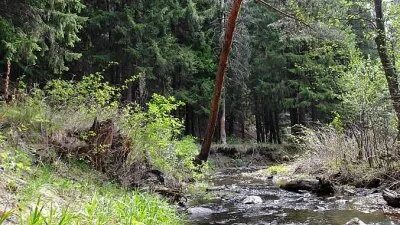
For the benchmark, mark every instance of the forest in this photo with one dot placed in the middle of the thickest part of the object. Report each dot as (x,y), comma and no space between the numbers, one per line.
(145,112)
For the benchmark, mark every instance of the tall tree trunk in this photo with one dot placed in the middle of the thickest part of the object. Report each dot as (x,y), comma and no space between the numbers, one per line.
(223,119)
(223,101)
(219,81)
(258,123)
(6,84)
(388,65)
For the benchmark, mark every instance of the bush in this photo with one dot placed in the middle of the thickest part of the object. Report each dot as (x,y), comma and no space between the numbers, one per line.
(155,136)
(66,108)
(91,93)
(339,154)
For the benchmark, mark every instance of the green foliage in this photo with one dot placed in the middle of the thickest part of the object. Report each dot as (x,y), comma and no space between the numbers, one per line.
(43,34)
(91,93)
(107,208)
(4,216)
(79,197)
(364,98)
(337,123)
(16,160)
(277,170)
(155,136)
(29,114)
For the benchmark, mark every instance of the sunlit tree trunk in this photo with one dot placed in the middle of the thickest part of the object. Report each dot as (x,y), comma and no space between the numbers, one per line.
(388,65)
(219,81)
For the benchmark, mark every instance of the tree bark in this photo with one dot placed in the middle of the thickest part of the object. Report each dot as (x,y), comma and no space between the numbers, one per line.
(219,81)
(388,65)
(223,101)
(6,84)
(223,119)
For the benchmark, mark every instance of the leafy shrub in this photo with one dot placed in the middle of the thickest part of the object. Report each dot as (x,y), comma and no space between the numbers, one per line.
(91,93)
(155,136)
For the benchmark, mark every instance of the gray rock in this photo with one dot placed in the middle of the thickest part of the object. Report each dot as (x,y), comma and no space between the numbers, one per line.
(355,221)
(341,201)
(331,198)
(349,191)
(216,188)
(252,200)
(200,211)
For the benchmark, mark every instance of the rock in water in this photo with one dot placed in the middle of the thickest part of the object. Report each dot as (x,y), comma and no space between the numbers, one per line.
(355,221)
(321,187)
(252,200)
(200,211)
(392,198)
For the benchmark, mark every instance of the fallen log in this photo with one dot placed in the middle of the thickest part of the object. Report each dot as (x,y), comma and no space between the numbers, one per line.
(320,186)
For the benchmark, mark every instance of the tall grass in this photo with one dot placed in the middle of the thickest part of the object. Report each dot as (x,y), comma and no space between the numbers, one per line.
(72,193)
(128,209)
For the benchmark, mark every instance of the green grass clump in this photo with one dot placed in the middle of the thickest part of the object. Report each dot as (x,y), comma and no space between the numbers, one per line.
(128,209)
(277,170)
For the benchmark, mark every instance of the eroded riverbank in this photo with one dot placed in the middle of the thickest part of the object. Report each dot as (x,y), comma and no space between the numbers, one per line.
(223,204)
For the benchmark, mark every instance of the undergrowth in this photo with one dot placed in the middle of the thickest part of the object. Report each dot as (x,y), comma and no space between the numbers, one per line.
(341,155)
(46,129)
(73,193)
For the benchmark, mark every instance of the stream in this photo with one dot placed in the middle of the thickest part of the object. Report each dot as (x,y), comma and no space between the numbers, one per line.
(223,204)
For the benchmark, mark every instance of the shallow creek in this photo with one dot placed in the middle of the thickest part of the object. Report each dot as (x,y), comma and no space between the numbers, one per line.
(231,186)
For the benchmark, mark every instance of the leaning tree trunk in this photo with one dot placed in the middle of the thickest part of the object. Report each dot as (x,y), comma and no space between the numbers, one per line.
(6,81)
(388,65)
(219,81)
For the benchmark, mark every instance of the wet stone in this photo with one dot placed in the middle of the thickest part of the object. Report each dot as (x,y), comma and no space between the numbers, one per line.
(200,211)
(252,200)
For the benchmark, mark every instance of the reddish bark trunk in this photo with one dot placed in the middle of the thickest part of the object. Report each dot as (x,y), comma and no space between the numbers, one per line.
(219,81)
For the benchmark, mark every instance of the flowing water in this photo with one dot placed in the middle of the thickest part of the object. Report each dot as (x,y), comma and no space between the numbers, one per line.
(282,207)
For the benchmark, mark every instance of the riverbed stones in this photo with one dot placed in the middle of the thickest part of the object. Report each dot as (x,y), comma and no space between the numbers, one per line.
(200,211)
(252,200)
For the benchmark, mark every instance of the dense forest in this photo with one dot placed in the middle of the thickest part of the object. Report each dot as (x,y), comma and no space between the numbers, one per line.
(107,102)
